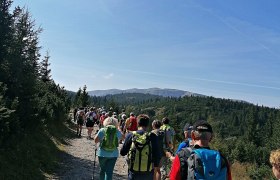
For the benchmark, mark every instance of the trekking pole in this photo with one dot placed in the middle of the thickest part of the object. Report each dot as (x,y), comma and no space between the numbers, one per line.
(94,161)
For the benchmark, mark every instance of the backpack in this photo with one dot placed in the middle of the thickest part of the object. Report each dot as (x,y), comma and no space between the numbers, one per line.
(170,130)
(140,153)
(110,140)
(90,117)
(202,164)
(161,139)
(80,116)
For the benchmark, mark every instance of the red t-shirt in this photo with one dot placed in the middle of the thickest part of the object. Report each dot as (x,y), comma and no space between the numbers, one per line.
(175,173)
(102,118)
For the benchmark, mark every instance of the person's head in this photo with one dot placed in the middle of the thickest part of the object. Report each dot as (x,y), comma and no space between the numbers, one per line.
(202,132)
(91,109)
(110,113)
(131,114)
(81,112)
(165,120)
(143,120)
(123,116)
(274,160)
(156,124)
(187,130)
(110,121)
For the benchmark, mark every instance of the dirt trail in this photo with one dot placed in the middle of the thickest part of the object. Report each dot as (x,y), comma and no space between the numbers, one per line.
(77,161)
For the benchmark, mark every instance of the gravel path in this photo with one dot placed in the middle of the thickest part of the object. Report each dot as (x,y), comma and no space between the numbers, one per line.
(77,161)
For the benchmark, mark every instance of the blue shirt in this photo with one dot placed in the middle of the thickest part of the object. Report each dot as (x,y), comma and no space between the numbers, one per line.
(103,153)
(183,145)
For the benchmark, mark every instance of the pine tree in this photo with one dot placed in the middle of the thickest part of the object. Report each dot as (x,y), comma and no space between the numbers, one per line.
(6,39)
(77,99)
(45,71)
(24,67)
(85,97)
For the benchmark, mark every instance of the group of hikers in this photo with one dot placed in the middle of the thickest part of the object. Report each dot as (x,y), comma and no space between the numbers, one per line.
(151,154)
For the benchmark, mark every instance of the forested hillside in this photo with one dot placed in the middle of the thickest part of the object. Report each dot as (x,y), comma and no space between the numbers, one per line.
(244,132)
(33,108)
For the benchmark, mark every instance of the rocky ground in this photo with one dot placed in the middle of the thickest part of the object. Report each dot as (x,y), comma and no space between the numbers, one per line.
(78,161)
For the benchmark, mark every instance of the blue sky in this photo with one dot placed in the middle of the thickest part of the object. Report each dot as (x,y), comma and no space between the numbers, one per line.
(220,48)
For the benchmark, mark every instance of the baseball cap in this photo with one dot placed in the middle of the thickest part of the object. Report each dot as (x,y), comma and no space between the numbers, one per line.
(202,126)
(187,127)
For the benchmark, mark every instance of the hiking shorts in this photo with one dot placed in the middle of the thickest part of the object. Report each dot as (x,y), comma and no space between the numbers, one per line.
(89,124)
(80,122)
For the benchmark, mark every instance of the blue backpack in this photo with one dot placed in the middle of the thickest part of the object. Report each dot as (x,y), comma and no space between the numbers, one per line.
(202,164)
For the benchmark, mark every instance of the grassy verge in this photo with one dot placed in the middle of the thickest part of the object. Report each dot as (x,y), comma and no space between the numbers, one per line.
(35,154)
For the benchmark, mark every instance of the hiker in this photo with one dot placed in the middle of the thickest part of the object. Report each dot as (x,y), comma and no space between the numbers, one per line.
(156,124)
(122,122)
(108,152)
(115,116)
(122,113)
(274,160)
(101,119)
(80,121)
(131,123)
(141,149)
(186,143)
(199,161)
(75,114)
(91,118)
(168,146)
(188,139)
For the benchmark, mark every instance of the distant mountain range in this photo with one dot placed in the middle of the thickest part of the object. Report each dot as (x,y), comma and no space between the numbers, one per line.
(153,91)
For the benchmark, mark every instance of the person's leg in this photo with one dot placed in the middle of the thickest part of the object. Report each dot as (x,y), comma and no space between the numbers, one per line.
(110,164)
(90,131)
(163,168)
(102,164)
(80,129)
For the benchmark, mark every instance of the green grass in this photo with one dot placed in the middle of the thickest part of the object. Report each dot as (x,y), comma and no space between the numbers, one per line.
(34,154)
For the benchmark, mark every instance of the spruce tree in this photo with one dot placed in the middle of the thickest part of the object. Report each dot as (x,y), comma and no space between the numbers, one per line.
(45,71)
(24,67)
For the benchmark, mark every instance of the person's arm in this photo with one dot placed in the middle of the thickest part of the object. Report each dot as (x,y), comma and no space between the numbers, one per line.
(175,173)
(99,136)
(126,145)
(120,135)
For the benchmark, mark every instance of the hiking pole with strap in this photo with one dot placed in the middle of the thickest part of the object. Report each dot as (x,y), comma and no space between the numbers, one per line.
(94,161)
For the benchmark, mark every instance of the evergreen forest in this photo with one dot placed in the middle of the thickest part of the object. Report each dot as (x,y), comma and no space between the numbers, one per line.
(35,120)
